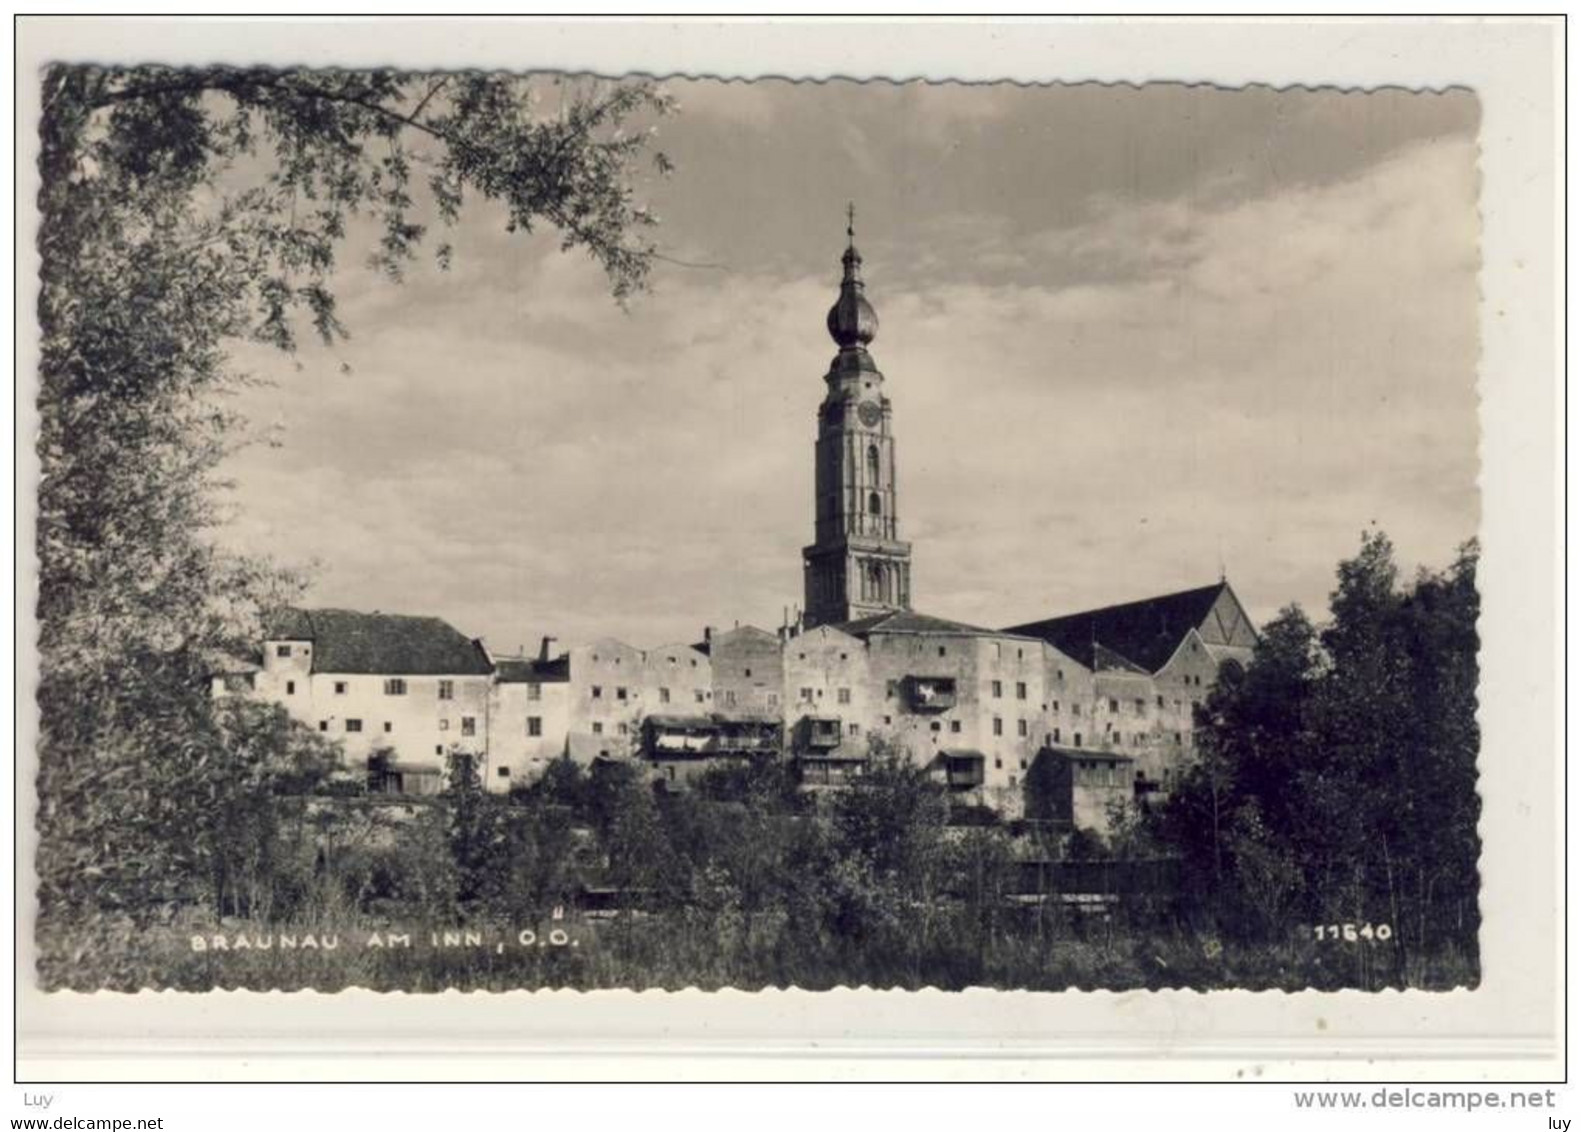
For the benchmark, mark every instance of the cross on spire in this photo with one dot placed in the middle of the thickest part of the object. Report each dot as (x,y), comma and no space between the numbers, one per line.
(850,224)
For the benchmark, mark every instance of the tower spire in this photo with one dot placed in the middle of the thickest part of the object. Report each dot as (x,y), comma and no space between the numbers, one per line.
(858,565)
(852,322)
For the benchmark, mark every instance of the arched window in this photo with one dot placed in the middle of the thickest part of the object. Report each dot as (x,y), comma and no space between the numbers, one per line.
(872,463)
(875,505)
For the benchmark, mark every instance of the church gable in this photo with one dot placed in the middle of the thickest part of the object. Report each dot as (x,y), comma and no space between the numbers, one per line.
(1142,633)
(1227,623)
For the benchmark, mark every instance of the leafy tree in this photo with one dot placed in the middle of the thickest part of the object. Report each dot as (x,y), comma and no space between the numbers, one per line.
(981,865)
(563,784)
(1085,845)
(887,846)
(1254,740)
(475,831)
(764,782)
(1397,720)
(253,828)
(183,211)
(1338,779)
(892,816)
(626,820)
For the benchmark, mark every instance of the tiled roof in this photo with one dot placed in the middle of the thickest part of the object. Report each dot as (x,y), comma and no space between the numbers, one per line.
(1107,660)
(1076,754)
(388,643)
(527,670)
(1145,633)
(288,624)
(712,720)
(679,722)
(706,645)
(906,621)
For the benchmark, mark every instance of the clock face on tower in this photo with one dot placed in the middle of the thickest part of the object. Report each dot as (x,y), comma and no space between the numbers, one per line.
(869,413)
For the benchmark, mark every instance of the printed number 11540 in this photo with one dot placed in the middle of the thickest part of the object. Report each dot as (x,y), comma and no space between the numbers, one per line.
(1353,933)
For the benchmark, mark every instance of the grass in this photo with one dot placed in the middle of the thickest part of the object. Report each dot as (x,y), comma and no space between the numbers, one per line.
(680,949)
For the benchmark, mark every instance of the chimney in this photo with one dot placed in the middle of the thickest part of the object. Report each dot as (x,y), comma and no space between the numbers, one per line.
(545,648)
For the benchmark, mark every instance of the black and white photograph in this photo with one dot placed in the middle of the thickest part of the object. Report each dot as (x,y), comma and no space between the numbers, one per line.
(532,528)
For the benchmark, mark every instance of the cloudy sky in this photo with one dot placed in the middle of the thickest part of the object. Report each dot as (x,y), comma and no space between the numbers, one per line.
(1129,334)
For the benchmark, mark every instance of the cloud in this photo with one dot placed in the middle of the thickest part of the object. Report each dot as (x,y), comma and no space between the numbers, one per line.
(1104,386)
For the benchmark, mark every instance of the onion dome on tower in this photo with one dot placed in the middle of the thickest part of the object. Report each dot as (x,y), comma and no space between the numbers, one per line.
(852,320)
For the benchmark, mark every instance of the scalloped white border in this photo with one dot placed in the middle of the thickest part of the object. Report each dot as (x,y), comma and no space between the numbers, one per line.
(1507,1029)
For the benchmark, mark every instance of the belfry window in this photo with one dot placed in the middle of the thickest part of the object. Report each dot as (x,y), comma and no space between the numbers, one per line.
(875,505)
(872,463)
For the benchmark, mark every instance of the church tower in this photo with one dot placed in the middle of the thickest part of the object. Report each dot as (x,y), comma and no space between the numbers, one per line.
(857,566)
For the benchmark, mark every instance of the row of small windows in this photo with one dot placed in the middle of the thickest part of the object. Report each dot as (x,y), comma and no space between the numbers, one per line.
(690,660)
(807,695)
(395,686)
(469,725)
(535,729)
(1141,705)
(597,692)
(772,699)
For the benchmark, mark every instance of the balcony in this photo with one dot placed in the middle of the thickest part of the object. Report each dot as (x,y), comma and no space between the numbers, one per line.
(746,736)
(819,732)
(963,770)
(702,737)
(930,693)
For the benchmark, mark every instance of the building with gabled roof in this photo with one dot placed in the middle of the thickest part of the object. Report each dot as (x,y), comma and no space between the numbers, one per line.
(1153,662)
(347,641)
(529,716)
(396,691)
(914,623)
(1145,634)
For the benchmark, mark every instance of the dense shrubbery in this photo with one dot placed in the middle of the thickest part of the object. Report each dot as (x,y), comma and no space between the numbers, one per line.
(1338,779)
(172,226)
(1336,785)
